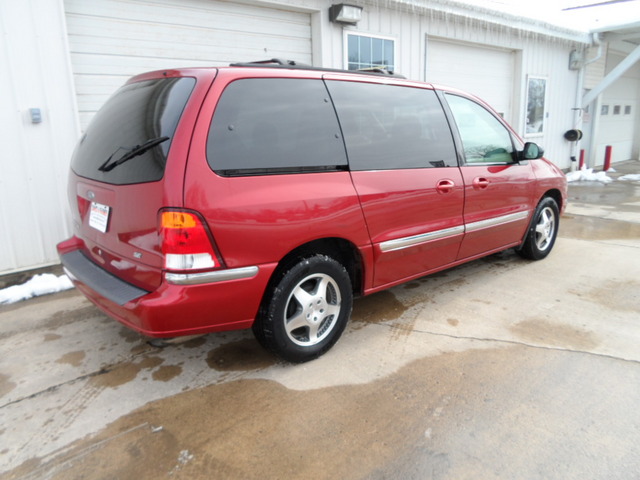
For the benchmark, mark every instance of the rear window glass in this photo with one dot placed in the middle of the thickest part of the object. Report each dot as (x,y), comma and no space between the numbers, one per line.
(275,125)
(137,114)
(388,127)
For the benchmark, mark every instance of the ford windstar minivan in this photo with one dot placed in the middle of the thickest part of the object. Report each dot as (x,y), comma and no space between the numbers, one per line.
(268,195)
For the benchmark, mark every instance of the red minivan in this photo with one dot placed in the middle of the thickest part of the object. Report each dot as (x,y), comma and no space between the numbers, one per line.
(267,195)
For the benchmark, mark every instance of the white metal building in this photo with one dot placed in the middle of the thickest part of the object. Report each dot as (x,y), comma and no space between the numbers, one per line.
(62,58)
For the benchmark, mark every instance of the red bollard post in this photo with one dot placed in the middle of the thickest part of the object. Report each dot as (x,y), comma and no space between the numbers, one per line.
(607,158)
(581,163)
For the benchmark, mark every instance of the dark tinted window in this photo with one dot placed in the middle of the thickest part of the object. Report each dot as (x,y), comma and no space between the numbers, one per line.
(387,127)
(274,125)
(135,114)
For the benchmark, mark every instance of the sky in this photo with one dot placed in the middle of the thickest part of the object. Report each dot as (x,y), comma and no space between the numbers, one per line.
(582,15)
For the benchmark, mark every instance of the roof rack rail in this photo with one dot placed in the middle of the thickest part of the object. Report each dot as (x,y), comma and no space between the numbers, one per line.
(281,63)
(381,70)
(273,61)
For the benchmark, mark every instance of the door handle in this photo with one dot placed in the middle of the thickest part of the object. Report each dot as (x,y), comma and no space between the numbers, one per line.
(445,186)
(480,183)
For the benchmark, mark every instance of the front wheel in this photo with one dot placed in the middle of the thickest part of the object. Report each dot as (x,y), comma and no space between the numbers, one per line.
(542,232)
(307,311)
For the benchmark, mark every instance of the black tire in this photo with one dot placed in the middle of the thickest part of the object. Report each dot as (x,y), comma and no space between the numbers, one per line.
(542,232)
(307,309)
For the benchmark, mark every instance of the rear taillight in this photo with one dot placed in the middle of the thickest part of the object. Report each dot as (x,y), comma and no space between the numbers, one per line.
(186,242)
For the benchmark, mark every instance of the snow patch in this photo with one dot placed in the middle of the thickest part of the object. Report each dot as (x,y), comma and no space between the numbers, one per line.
(43,284)
(632,177)
(587,175)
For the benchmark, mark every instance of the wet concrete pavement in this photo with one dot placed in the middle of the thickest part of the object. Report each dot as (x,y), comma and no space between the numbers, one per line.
(501,368)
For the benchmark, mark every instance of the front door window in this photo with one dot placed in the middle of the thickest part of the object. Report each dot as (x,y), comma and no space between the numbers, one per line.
(484,138)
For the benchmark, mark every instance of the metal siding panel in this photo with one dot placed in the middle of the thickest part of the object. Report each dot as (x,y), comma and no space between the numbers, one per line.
(485,72)
(33,203)
(111,40)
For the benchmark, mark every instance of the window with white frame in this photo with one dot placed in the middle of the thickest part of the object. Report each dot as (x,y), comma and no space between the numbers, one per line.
(366,52)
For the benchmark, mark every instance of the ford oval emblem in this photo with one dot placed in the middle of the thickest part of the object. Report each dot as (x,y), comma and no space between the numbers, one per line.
(91,195)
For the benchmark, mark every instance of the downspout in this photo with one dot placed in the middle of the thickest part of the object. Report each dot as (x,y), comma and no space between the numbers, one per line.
(578,109)
(577,114)
(595,114)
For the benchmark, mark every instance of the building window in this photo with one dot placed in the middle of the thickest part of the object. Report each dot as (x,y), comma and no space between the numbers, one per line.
(367,52)
(604,110)
(616,110)
(536,105)
(627,110)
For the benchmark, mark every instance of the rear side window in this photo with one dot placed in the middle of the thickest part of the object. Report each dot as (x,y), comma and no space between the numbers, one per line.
(388,127)
(139,114)
(275,125)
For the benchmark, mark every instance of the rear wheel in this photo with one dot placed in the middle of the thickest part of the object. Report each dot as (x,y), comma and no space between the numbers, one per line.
(307,311)
(543,230)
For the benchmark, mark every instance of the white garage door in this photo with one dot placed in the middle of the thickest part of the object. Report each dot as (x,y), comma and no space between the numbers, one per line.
(111,40)
(485,72)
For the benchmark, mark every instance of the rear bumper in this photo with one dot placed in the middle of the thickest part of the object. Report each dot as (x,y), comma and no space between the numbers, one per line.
(228,300)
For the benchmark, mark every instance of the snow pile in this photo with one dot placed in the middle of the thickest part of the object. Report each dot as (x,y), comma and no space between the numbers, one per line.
(39,285)
(632,177)
(587,175)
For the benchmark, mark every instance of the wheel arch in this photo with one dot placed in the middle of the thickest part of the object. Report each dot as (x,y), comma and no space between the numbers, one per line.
(556,195)
(341,250)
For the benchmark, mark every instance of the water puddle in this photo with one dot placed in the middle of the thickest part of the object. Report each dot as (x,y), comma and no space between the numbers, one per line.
(124,373)
(541,331)
(166,373)
(377,308)
(242,355)
(593,228)
(72,358)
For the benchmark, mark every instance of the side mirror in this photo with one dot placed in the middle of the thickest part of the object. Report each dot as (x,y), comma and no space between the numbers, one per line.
(531,151)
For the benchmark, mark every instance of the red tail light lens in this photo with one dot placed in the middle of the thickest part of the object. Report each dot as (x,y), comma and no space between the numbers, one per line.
(186,242)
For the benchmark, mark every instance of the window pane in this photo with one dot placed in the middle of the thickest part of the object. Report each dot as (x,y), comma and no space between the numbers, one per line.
(365,51)
(484,138)
(376,51)
(265,124)
(352,49)
(388,54)
(369,52)
(387,127)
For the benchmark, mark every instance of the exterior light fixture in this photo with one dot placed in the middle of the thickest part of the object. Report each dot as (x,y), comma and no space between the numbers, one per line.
(346,14)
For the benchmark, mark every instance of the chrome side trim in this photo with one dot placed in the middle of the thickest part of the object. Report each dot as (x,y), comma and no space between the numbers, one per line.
(211,277)
(492,222)
(407,242)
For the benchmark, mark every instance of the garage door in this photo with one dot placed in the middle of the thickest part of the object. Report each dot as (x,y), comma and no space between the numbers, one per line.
(111,40)
(485,72)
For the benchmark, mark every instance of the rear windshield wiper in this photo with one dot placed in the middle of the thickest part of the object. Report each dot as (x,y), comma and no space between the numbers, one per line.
(136,151)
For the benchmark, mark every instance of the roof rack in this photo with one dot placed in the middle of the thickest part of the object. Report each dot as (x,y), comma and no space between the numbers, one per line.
(281,63)
(381,70)
(273,62)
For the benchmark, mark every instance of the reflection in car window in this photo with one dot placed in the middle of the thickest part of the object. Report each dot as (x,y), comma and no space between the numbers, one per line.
(388,127)
(484,138)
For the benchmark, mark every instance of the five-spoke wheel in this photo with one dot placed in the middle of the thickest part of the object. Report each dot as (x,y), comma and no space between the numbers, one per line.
(307,311)
(543,230)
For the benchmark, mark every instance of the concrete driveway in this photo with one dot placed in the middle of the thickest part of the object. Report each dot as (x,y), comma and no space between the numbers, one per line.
(499,369)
